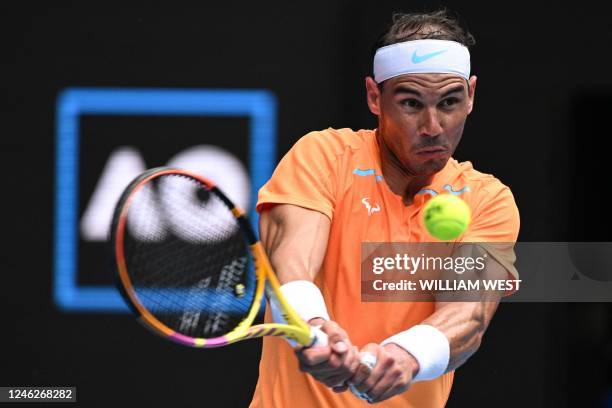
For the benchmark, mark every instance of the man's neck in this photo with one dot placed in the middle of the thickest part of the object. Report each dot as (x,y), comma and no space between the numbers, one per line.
(399,179)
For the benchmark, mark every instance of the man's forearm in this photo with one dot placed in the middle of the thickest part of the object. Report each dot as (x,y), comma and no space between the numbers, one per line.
(464,325)
(453,333)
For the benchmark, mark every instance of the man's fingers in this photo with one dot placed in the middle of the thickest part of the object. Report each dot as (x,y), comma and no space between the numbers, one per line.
(324,368)
(337,337)
(355,360)
(340,347)
(332,365)
(341,365)
(386,379)
(367,361)
(383,363)
(336,381)
(361,374)
(335,333)
(385,385)
(313,356)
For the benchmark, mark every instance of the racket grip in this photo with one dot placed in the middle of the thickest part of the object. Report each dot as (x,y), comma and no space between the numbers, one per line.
(319,337)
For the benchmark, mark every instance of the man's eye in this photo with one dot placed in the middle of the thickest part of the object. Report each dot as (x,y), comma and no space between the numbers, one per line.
(448,102)
(412,103)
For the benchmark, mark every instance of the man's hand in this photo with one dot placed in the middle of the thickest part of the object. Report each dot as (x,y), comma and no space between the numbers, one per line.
(333,364)
(394,370)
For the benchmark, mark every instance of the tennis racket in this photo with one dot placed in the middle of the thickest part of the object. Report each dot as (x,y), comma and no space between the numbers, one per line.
(191,267)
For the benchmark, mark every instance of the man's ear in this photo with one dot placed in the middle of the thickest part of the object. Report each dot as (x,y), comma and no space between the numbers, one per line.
(373,95)
(471,92)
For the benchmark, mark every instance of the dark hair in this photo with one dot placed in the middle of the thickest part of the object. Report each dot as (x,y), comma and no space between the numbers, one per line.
(436,25)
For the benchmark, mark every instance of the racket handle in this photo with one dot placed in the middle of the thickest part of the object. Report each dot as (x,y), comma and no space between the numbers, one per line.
(319,337)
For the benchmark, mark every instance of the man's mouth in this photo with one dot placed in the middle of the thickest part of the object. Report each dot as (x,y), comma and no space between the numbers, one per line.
(431,151)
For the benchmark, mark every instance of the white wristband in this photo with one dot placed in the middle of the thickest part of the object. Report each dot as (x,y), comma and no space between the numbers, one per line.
(428,345)
(306,298)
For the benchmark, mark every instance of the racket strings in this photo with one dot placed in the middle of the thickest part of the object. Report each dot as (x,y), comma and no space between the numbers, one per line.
(187,258)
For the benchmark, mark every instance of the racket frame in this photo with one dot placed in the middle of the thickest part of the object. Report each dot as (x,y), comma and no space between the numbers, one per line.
(266,281)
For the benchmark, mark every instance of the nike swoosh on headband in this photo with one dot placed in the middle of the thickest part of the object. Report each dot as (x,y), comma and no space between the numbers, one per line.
(418,59)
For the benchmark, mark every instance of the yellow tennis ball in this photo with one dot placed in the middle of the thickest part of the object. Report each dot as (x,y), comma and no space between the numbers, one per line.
(446,216)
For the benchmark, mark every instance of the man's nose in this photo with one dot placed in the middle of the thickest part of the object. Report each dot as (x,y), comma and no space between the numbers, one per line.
(430,125)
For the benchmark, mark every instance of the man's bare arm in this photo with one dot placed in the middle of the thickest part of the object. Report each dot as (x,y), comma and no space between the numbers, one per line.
(295,240)
(462,323)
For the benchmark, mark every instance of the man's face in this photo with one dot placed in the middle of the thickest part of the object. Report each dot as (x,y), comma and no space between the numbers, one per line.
(421,118)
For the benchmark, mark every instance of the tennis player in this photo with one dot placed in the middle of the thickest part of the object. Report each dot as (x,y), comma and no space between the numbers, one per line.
(337,188)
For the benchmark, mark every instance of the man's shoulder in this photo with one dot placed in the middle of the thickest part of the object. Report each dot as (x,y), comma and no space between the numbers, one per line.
(336,141)
(477,181)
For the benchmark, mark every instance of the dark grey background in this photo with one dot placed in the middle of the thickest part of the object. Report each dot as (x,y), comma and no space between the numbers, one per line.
(540,125)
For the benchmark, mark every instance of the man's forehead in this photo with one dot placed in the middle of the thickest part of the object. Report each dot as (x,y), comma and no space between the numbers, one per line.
(430,82)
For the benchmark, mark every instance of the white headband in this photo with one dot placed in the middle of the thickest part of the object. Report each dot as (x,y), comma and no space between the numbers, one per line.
(421,56)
